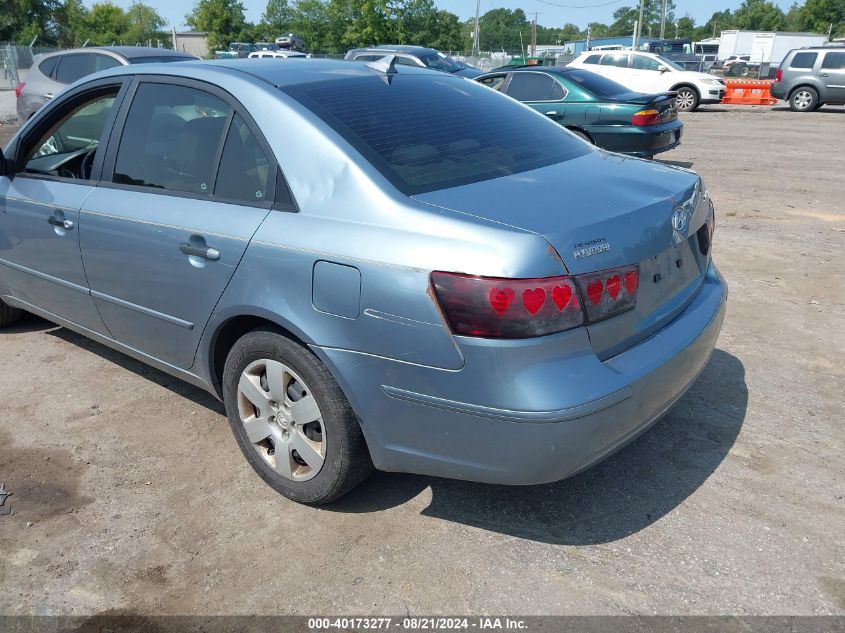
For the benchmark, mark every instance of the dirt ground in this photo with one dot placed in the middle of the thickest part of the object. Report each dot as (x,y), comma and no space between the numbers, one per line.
(130,494)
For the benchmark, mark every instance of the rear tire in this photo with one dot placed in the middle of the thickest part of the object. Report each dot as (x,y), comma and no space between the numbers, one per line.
(9,315)
(687,99)
(804,99)
(291,419)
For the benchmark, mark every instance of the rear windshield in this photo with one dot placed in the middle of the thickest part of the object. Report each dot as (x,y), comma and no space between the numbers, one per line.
(157,59)
(598,85)
(426,133)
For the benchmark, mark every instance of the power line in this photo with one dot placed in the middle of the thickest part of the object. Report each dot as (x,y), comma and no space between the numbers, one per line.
(587,6)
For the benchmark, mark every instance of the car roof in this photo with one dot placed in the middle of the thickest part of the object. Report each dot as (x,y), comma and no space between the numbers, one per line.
(128,52)
(267,70)
(403,48)
(558,70)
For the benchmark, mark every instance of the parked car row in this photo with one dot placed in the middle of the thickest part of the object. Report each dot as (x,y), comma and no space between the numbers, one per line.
(446,282)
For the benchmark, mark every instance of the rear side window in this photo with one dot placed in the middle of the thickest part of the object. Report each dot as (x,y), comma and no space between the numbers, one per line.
(804,60)
(534,87)
(598,85)
(592,59)
(73,67)
(171,138)
(48,66)
(427,133)
(103,62)
(833,61)
(620,61)
(245,173)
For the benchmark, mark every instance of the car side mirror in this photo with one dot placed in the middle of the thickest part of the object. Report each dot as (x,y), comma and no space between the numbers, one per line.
(663,69)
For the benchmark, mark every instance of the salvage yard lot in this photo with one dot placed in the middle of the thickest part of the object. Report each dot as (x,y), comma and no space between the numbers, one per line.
(131,496)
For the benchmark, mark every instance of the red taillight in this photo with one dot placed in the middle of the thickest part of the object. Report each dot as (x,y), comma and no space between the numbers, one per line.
(494,307)
(19,89)
(778,76)
(609,292)
(646,117)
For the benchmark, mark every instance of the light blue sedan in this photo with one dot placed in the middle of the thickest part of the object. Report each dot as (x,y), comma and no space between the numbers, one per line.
(370,266)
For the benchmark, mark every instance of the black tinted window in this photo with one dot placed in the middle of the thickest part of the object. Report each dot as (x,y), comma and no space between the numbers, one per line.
(245,172)
(170,139)
(73,67)
(425,133)
(833,61)
(48,65)
(804,60)
(592,59)
(598,85)
(532,87)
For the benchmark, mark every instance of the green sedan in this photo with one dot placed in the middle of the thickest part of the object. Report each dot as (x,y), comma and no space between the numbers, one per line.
(597,109)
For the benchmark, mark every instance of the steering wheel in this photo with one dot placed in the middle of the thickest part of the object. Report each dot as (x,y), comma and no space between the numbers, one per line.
(87,164)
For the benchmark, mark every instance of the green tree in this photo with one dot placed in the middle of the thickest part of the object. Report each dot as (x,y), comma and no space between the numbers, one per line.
(144,24)
(21,20)
(625,18)
(500,29)
(450,32)
(223,20)
(685,28)
(759,15)
(70,20)
(276,19)
(104,24)
(819,15)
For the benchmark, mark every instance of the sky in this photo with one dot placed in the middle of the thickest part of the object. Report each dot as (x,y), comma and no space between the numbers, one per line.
(174,11)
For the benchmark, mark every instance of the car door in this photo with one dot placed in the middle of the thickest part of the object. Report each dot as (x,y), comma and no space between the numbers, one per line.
(57,160)
(187,182)
(832,74)
(540,91)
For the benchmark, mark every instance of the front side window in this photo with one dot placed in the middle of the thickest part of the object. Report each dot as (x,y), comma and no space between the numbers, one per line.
(73,67)
(459,132)
(170,139)
(833,61)
(495,81)
(804,60)
(68,147)
(533,87)
(245,172)
(640,62)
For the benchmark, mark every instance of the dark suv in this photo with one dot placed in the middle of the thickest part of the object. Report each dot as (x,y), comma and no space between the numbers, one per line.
(809,78)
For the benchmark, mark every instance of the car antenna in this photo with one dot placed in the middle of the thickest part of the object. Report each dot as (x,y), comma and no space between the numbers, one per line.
(386,65)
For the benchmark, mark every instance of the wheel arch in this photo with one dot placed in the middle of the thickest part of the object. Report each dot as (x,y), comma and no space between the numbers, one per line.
(575,128)
(228,331)
(685,84)
(804,84)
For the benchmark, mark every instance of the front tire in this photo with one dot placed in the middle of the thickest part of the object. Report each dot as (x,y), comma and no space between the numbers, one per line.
(9,315)
(291,419)
(804,99)
(687,99)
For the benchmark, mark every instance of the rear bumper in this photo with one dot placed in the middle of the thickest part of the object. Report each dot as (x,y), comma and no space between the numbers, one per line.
(526,412)
(779,91)
(639,142)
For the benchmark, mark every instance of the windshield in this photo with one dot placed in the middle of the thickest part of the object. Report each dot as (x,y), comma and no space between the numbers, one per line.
(598,85)
(670,63)
(427,133)
(439,61)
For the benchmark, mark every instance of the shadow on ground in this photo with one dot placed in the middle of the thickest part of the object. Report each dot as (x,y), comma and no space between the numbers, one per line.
(676,163)
(617,498)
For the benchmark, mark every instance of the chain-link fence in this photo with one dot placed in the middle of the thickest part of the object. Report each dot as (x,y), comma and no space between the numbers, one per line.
(16,60)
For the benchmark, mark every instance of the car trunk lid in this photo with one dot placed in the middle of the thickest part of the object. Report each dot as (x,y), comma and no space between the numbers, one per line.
(601,211)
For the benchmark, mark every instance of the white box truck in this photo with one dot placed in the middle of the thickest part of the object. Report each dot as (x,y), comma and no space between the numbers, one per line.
(760,52)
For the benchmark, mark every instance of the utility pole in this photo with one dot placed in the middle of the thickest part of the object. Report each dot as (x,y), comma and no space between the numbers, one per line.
(639,27)
(663,21)
(476,47)
(534,35)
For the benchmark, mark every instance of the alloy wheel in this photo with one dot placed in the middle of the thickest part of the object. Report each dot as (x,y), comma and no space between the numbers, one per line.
(685,100)
(282,419)
(802,99)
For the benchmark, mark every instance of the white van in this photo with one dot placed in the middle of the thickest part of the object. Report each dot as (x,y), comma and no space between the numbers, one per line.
(651,73)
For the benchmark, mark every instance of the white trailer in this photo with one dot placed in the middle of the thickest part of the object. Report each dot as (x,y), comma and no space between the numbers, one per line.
(765,47)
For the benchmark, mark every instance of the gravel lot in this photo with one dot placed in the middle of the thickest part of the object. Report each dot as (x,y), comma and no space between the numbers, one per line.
(130,495)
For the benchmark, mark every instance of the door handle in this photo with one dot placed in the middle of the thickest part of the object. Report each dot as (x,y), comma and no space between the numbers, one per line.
(48,95)
(823,75)
(67,225)
(206,252)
